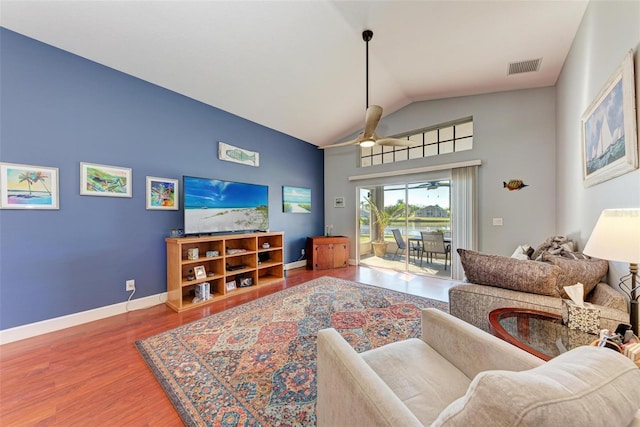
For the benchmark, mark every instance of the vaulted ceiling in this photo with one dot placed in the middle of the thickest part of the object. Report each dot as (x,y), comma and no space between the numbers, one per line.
(299,66)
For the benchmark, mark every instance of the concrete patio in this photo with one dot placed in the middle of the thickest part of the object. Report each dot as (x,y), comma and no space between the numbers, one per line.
(389,261)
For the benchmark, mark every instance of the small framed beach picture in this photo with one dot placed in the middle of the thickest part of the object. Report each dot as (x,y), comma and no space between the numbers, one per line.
(28,187)
(162,193)
(296,199)
(101,180)
(200,272)
(609,144)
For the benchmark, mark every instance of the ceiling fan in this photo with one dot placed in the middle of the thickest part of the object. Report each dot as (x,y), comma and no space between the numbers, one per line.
(432,185)
(368,137)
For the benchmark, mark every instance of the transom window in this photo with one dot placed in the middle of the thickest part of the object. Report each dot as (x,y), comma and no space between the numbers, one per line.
(440,139)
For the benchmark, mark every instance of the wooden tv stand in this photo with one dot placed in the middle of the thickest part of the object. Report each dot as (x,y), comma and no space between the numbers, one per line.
(262,265)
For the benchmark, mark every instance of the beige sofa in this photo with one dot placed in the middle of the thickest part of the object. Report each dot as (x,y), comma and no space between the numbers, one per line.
(458,375)
(497,282)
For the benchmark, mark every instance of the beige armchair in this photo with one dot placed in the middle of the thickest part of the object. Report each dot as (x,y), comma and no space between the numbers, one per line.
(459,375)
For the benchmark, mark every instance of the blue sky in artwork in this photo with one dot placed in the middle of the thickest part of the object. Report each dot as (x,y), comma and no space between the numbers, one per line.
(611,107)
(213,193)
(296,194)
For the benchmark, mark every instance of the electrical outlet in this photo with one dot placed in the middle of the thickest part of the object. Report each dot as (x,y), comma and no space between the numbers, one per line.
(130,285)
(302,252)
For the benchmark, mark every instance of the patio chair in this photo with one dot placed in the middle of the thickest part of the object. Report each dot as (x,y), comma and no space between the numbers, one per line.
(433,243)
(402,246)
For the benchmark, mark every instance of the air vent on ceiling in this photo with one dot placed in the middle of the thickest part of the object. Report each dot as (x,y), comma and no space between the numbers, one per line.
(524,66)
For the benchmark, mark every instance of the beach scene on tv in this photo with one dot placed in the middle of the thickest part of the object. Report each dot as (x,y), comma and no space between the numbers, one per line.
(212,206)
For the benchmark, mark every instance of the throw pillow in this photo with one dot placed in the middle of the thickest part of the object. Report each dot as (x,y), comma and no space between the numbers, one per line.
(587,386)
(586,271)
(522,252)
(509,273)
(574,255)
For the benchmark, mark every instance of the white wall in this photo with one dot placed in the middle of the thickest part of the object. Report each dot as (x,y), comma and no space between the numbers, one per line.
(607,32)
(514,137)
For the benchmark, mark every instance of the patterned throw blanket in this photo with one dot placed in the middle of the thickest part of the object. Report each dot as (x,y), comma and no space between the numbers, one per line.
(554,245)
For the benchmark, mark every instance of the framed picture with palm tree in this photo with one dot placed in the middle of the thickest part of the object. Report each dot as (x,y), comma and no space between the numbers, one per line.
(28,187)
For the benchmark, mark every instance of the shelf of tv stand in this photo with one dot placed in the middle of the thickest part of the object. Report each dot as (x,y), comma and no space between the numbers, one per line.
(186,282)
(263,265)
(240,271)
(199,260)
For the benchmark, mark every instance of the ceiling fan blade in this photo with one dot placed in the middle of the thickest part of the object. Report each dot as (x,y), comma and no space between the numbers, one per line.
(374,112)
(395,142)
(342,144)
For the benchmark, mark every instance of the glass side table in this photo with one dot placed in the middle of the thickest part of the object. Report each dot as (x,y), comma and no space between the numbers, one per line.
(537,332)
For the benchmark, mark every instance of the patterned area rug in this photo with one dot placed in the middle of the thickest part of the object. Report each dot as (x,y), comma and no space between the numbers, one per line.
(255,364)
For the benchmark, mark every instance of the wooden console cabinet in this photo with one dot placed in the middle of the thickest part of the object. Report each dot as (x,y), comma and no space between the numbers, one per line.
(325,252)
(261,256)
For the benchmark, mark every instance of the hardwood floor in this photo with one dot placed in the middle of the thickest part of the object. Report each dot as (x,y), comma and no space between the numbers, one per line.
(92,374)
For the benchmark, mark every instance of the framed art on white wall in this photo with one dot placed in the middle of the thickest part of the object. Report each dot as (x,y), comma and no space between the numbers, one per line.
(609,139)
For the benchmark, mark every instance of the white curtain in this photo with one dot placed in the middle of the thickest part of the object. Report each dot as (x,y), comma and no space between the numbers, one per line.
(464,215)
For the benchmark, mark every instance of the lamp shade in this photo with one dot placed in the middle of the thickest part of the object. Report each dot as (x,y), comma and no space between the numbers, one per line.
(616,236)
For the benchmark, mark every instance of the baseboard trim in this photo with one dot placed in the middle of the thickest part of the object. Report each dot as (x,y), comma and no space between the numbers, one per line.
(51,325)
(303,263)
(295,264)
(75,319)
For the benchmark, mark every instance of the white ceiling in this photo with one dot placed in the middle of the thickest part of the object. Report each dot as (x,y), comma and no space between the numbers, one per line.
(299,66)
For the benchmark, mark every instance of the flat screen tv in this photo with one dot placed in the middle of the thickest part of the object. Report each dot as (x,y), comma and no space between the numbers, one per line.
(217,206)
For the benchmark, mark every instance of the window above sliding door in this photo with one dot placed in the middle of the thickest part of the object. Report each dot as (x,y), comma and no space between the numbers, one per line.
(441,139)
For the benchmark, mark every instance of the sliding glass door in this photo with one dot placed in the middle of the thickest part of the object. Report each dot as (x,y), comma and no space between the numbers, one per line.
(406,210)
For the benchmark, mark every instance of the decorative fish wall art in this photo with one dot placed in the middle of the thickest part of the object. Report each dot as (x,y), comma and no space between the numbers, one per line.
(230,153)
(514,184)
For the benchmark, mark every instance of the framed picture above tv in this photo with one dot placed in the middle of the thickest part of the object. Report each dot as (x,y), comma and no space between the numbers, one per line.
(218,206)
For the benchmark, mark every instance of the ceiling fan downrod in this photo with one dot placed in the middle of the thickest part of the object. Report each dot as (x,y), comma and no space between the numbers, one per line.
(367,35)
(368,138)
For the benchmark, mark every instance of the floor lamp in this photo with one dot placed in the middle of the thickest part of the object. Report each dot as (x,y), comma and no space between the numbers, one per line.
(616,237)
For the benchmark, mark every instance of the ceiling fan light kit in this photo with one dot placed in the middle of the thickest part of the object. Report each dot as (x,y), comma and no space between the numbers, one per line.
(367,143)
(368,137)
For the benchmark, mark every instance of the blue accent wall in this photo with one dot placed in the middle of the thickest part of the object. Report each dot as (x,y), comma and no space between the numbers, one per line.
(57,110)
